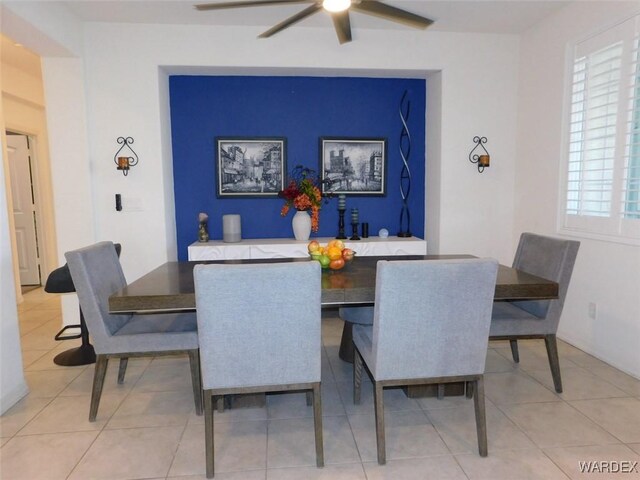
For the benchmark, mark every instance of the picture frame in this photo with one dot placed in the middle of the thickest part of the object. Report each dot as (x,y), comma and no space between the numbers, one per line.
(353,166)
(250,166)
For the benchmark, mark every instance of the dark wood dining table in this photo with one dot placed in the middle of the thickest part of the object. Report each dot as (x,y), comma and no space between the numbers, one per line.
(169,288)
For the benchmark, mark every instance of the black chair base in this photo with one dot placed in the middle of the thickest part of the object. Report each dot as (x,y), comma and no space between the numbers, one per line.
(82,355)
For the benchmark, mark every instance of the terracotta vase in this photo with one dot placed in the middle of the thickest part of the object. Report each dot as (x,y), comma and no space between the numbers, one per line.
(301,224)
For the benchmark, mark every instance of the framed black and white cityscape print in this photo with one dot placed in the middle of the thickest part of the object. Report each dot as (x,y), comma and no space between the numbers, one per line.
(250,167)
(354,166)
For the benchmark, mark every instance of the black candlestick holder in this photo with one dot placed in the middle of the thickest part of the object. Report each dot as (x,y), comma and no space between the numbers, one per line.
(355,236)
(341,235)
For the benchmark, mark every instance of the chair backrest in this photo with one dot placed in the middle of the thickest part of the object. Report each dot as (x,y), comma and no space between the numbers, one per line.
(258,324)
(550,258)
(432,317)
(96,274)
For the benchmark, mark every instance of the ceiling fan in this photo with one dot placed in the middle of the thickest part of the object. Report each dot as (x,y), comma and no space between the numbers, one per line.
(338,9)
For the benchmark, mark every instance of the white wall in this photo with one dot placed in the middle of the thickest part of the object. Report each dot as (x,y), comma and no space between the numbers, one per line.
(12,383)
(71,171)
(433,171)
(606,273)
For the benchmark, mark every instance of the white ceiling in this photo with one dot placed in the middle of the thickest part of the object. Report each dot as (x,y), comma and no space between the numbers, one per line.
(489,16)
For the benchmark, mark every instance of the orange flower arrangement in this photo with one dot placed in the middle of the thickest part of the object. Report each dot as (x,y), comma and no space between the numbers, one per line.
(303,194)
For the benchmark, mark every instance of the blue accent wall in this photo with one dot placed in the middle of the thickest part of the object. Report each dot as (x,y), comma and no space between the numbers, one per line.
(302,109)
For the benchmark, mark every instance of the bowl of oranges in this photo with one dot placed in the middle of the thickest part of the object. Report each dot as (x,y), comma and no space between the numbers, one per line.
(334,255)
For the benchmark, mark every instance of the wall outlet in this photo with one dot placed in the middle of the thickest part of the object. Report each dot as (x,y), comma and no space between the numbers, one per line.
(593,310)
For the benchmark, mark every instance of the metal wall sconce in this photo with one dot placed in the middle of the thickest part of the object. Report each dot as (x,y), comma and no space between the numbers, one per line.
(123,162)
(482,159)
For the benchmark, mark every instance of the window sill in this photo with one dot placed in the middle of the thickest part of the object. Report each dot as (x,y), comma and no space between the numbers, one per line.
(577,233)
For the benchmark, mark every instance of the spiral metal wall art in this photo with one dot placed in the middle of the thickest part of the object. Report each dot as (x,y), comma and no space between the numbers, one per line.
(122,160)
(405,173)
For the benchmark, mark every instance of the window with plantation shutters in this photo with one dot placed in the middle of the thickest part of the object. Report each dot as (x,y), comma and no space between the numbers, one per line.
(602,188)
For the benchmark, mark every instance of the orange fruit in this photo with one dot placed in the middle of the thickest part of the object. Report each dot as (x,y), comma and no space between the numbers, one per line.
(334,253)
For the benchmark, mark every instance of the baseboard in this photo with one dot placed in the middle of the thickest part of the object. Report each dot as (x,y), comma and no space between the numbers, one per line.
(10,398)
(587,349)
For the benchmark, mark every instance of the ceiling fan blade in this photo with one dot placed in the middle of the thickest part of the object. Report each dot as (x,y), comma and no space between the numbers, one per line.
(382,10)
(342,24)
(250,3)
(310,10)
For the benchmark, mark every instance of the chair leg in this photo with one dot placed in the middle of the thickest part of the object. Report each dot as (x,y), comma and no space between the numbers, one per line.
(481,419)
(220,403)
(554,360)
(196,380)
(309,395)
(208,431)
(122,369)
(379,408)
(98,382)
(514,350)
(357,375)
(317,423)
(440,391)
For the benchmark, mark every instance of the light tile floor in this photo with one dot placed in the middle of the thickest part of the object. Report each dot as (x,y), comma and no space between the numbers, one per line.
(147,428)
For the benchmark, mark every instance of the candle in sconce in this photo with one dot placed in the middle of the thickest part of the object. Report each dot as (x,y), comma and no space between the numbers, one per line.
(354,215)
(342,202)
(123,163)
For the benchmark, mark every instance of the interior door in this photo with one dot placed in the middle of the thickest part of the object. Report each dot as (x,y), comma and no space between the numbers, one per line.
(24,209)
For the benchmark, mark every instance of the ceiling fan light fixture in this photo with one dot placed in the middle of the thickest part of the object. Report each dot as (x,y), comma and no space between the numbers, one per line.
(336,6)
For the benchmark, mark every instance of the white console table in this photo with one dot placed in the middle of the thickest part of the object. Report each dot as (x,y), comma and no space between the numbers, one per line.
(290,248)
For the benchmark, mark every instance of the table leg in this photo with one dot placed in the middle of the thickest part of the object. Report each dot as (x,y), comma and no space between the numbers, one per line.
(346,343)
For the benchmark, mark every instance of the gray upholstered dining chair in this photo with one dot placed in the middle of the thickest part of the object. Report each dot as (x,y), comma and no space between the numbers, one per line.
(259,331)
(96,274)
(431,325)
(550,258)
